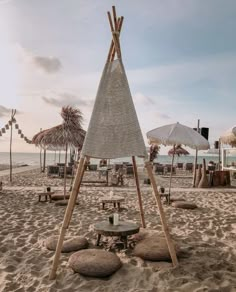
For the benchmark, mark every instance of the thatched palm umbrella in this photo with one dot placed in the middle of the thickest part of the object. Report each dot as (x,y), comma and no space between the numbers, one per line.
(178,150)
(229,137)
(67,135)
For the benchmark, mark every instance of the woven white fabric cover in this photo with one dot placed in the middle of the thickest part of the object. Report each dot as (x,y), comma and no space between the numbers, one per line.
(114,130)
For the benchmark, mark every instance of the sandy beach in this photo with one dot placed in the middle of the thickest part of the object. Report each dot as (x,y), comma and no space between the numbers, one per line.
(206,237)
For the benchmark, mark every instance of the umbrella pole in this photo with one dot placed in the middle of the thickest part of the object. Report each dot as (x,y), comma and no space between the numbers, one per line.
(138,192)
(162,215)
(67,218)
(40,158)
(195,162)
(65,173)
(44,160)
(171,171)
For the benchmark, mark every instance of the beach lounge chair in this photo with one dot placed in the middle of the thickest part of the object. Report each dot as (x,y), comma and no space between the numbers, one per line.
(52,170)
(188,166)
(179,165)
(159,169)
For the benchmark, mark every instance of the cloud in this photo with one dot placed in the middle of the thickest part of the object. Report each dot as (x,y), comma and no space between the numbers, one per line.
(47,64)
(164,116)
(5,1)
(64,99)
(143,99)
(4,111)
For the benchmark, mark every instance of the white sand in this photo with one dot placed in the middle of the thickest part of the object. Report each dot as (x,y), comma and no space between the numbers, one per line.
(206,236)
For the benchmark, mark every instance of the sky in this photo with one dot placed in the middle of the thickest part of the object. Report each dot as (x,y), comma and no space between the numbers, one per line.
(179,56)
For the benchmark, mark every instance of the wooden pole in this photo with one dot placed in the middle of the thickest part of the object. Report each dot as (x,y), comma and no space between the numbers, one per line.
(65,172)
(40,158)
(40,155)
(219,146)
(44,160)
(162,215)
(195,162)
(116,32)
(119,30)
(138,192)
(114,17)
(114,36)
(171,172)
(67,217)
(78,187)
(112,51)
(13,112)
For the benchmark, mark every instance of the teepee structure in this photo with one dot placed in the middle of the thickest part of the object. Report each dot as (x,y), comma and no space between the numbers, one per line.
(113,132)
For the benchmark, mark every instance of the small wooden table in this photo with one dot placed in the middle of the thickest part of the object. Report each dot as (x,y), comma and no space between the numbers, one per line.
(122,230)
(46,195)
(104,170)
(114,200)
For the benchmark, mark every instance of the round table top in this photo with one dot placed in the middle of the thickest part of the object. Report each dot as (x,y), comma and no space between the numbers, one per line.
(124,228)
(45,193)
(112,199)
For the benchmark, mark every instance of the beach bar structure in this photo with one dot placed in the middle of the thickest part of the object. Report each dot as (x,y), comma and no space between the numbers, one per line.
(228,138)
(113,132)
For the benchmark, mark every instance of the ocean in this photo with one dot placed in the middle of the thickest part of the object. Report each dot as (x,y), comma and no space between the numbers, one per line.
(53,158)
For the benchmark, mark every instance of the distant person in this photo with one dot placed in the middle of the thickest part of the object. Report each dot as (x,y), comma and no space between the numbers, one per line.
(103,162)
(87,164)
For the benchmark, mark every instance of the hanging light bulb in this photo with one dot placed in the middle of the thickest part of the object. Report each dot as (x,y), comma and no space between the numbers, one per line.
(19,131)
(16,126)
(7,126)
(3,130)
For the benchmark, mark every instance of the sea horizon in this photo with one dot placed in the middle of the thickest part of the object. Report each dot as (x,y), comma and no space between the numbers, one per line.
(33,158)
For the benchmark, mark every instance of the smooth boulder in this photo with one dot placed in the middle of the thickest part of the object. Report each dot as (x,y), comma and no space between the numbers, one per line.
(69,245)
(153,248)
(184,205)
(94,263)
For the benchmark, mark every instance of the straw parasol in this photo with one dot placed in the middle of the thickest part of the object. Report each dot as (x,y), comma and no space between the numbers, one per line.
(67,135)
(229,137)
(178,150)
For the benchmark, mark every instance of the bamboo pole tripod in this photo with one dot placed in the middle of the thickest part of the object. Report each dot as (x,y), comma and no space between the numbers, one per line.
(13,112)
(115,25)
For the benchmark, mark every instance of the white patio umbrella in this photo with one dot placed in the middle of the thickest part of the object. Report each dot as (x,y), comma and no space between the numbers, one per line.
(175,134)
(229,137)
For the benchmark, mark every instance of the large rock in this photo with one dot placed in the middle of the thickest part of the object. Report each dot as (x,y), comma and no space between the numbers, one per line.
(94,263)
(184,205)
(153,248)
(69,245)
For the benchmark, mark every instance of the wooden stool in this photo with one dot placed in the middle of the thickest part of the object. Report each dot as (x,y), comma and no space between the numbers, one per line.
(116,200)
(46,195)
